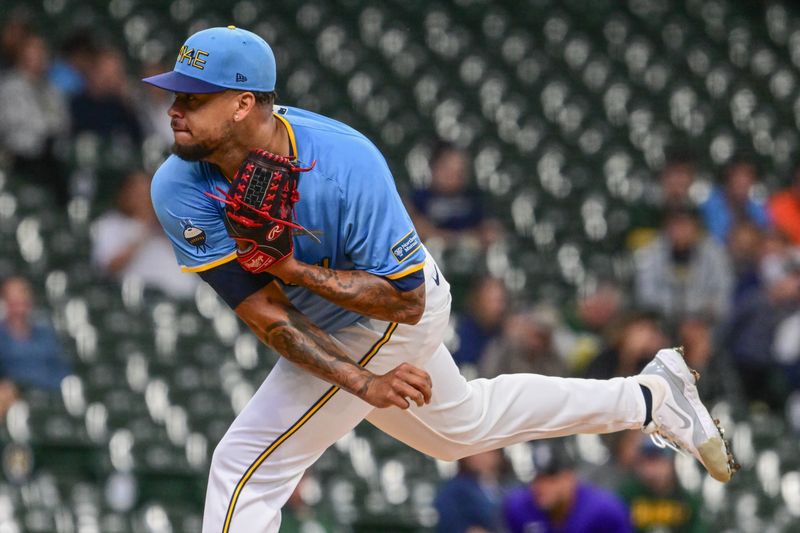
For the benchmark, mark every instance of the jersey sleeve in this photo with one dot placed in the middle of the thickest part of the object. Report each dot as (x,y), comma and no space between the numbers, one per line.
(379,236)
(192,221)
(233,283)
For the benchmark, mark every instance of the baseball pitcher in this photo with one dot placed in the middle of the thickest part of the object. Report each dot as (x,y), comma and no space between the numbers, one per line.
(295,221)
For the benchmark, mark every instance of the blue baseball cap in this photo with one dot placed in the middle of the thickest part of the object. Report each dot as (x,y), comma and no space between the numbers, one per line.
(217,59)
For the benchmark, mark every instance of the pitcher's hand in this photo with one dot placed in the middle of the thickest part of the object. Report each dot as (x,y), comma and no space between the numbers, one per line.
(400,386)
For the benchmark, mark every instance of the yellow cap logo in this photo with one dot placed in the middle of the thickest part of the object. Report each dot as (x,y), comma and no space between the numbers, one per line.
(194,58)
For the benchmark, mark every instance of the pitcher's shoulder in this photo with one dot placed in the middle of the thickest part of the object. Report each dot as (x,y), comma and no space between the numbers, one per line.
(174,171)
(180,183)
(177,177)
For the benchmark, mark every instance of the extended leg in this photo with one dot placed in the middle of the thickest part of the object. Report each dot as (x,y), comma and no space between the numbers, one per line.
(467,417)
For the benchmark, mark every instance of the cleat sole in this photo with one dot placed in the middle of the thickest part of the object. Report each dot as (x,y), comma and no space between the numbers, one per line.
(716,458)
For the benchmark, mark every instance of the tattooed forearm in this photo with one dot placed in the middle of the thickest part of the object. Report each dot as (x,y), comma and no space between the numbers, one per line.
(300,341)
(363,293)
(276,322)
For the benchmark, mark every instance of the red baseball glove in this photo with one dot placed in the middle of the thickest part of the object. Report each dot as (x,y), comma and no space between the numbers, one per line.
(259,209)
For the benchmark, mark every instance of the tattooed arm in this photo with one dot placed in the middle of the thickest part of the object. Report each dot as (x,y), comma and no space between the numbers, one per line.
(273,319)
(356,290)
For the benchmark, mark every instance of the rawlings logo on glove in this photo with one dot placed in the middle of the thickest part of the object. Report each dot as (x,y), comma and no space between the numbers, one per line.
(259,206)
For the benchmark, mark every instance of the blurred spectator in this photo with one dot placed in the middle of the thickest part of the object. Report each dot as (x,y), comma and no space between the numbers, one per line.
(557,500)
(482,321)
(470,502)
(774,256)
(33,116)
(104,107)
(683,271)
(657,503)
(732,202)
(594,311)
(299,516)
(128,241)
(15,31)
(632,344)
(624,448)
(762,333)
(74,62)
(784,209)
(152,105)
(526,345)
(449,208)
(674,183)
(744,249)
(719,379)
(30,353)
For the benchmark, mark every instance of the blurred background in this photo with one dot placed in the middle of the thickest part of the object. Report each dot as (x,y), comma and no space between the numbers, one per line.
(598,179)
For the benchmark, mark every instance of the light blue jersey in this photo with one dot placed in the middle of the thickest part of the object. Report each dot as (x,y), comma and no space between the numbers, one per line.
(348,200)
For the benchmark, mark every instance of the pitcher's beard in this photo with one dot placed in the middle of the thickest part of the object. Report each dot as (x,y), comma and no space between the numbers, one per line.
(192,152)
(203,150)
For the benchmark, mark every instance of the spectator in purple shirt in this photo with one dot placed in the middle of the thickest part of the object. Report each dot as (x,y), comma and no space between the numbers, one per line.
(557,501)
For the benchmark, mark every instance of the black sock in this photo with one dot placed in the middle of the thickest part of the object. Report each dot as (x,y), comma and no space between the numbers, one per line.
(648,405)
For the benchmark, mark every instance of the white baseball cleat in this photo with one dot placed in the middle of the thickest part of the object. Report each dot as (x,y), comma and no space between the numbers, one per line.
(679,419)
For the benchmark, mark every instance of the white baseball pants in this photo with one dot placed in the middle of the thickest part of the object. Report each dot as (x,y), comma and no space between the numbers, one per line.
(294,417)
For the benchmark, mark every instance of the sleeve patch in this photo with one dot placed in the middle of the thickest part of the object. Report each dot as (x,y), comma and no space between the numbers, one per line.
(405,247)
(191,234)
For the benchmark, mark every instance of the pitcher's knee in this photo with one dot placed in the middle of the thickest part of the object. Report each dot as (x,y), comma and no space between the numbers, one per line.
(223,458)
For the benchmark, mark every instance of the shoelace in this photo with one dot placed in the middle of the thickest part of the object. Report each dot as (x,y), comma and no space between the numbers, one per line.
(664,441)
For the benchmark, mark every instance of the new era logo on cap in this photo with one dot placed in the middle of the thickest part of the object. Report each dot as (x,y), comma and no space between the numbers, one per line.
(240,78)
